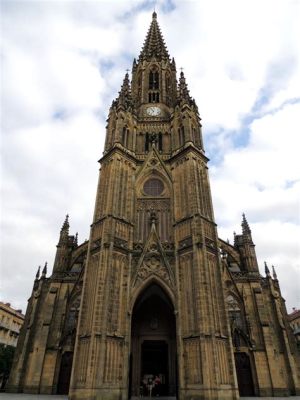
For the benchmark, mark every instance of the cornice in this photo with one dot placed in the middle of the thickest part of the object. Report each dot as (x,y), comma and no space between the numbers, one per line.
(184,150)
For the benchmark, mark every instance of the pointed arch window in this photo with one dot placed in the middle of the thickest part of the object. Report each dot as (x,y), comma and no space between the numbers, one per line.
(153,97)
(181,135)
(154,85)
(160,141)
(147,142)
(140,83)
(234,312)
(168,88)
(153,79)
(125,136)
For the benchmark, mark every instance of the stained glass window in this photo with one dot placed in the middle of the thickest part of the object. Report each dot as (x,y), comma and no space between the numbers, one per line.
(153,187)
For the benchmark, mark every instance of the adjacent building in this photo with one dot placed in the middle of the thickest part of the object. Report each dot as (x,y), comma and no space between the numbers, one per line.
(11,321)
(294,318)
(155,301)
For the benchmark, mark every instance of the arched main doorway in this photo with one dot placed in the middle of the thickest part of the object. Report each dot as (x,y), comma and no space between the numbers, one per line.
(244,375)
(153,345)
(65,373)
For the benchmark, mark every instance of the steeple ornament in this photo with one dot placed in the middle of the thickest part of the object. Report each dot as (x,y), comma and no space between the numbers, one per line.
(38,273)
(44,272)
(154,45)
(64,232)
(184,93)
(245,225)
(66,224)
(267,271)
(125,99)
(184,96)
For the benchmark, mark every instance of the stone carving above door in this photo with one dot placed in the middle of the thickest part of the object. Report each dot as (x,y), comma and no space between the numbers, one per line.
(153,262)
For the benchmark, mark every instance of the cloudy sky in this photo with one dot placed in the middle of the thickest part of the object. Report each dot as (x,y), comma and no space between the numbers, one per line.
(62,63)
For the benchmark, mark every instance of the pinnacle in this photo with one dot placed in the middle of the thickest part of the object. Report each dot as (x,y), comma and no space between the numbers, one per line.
(154,45)
(124,97)
(184,92)
(66,224)
(64,232)
(44,272)
(245,225)
(267,271)
(38,272)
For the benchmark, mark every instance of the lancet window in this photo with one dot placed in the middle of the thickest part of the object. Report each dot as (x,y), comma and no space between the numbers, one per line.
(156,138)
(153,79)
(125,136)
(234,312)
(153,85)
(181,136)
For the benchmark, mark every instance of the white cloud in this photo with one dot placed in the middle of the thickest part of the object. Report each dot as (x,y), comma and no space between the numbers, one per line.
(67,60)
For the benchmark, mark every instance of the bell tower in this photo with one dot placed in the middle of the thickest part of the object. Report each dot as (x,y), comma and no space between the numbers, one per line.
(152,307)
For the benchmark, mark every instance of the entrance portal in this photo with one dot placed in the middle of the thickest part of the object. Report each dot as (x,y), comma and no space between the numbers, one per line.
(244,375)
(153,345)
(65,373)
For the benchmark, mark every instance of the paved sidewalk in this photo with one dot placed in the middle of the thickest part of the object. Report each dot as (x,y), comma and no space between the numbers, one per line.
(18,396)
(21,396)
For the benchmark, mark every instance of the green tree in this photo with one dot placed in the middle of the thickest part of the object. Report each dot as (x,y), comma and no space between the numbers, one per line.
(6,359)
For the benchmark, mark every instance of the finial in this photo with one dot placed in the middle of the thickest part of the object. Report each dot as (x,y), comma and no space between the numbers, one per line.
(154,14)
(44,273)
(245,225)
(66,223)
(267,271)
(38,273)
(76,239)
(64,232)
(274,272)
(234,238)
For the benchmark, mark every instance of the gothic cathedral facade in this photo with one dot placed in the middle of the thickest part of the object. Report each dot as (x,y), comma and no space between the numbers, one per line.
(155,302)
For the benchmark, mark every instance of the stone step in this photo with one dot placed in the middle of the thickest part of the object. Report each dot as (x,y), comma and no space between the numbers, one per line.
(153,397)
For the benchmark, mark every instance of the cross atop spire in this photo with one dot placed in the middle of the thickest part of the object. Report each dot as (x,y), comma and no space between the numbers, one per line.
(154,45)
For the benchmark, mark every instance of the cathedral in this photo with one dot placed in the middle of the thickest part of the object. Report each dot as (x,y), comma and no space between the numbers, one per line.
(155,303)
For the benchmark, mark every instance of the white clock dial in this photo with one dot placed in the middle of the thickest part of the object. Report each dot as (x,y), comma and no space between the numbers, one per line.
(153,111)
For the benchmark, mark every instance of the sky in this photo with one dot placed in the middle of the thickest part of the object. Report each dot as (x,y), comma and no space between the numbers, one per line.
(62,64)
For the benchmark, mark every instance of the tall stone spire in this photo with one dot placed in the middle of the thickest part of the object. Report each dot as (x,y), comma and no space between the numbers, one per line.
(64,232)
(267,271)
(125,99)
(183,91)
(245,226)
(154,45)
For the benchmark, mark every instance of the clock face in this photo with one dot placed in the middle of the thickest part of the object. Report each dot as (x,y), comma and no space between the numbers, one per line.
(153,111)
